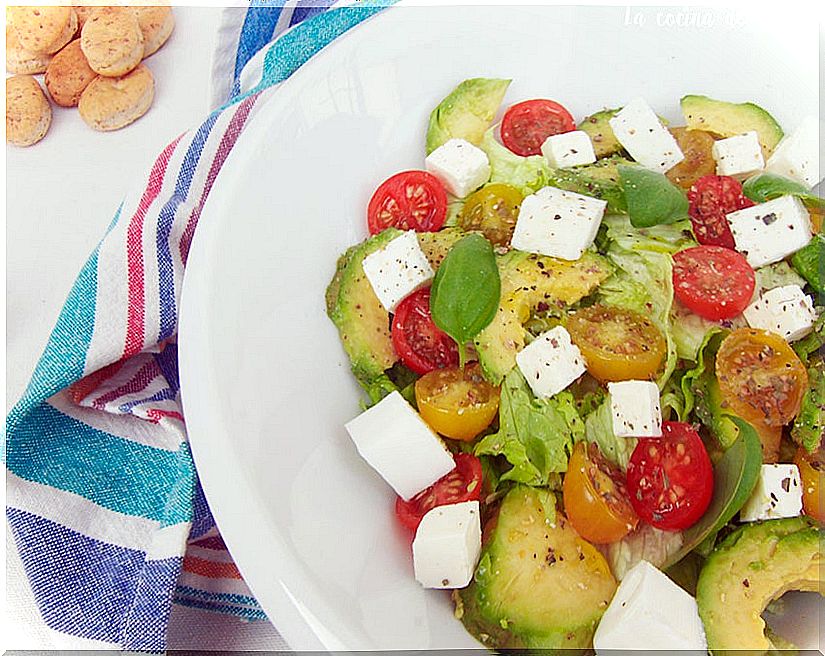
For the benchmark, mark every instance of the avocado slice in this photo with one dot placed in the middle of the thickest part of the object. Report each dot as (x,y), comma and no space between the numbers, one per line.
(467,112)
(538,584)
(528,280)
(363,323)
(600,180)
(727,119)
(753,566)
(601,134)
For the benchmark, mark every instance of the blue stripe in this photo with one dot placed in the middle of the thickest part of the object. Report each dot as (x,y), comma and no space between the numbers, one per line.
(166,267)
(127,477)
(258,27)
(144,628)
(238,611)
(165,394)
(167,360)
(86,587)
(202,520)
(309,8)
(226,597)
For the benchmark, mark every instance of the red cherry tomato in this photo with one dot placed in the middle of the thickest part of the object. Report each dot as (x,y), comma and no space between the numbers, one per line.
(527,124)
(712,281)
(710,198)
(411,200)
(462,484)
(670,478)
(421,345)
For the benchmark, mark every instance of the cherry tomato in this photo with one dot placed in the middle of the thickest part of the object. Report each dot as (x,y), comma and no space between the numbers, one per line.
(714,282)
(760,377)
(458,404)
(421,345)
(617,344)
(462,484)
(696,145)
(670,478)
(493,210)
(712,197)
(812,472)
(411,200)
(527,124)
(595,497)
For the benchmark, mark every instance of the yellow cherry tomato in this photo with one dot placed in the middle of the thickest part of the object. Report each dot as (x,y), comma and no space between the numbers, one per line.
(492,210)
(595,497)
(455,403)
(812,472)
(617,344)
(697,147)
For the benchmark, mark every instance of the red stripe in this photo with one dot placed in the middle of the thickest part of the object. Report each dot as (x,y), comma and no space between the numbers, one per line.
(145,375)
(210,568)
(156,414)
(134,253)
(228,140)
(213,542)
(88,384)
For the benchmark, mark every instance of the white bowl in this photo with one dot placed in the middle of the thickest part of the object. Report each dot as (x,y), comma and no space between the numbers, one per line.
(266,385)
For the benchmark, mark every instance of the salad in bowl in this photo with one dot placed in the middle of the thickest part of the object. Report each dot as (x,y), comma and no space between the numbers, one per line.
(592,357)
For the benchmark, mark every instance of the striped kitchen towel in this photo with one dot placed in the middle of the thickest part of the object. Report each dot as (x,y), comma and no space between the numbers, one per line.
(103,499)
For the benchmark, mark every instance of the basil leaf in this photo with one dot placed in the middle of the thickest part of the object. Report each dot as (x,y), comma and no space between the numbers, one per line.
(734,478)
(651,198)
(466,290)
(767,186)
(810,263)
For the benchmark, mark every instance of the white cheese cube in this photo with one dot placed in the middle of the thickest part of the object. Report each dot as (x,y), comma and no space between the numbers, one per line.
(447,546)
(557,223)
(769,232)
(460,165)
(738,156)
(568,149)
(797,155)
(786,311)
(397,270)
(649,611)
(642,134)
(778,494)
(398,444)
(550,362)
(635,407)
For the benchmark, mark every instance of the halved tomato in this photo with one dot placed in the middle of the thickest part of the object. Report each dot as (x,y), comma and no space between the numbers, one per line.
(410,200)
(617,344)
(812,472)
(526,125)
(697,147)
(421,345)
(493,210)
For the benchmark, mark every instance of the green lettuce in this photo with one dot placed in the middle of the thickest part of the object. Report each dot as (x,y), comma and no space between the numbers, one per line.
(598,429)
(535,435)
(809,425)
(814,341)
(529,174)
(645,543)
(777,275)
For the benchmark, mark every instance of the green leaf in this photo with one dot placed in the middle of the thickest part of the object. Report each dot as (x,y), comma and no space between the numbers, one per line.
(767,186)
(694,379)
(651,198)
(776,275)
(809,425)
(535,436)
(528,174)
(809,262)
(598,429)
(814,341)
(734,478)
(465,293)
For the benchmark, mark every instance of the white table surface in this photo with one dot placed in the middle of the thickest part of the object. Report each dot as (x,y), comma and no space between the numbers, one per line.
(61,195)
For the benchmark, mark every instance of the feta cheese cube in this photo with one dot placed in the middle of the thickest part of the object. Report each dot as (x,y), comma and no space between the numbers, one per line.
(398,444)
(649,611)
(769,232)
(738,156)
(460,165)
(786,311)
(557,223)
(447,546)
(568,149)
(778,494)
(635,407)
(642,134)
(797,155)
(550,362)
(397,270)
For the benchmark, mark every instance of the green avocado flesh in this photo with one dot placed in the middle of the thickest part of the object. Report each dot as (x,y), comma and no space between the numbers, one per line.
(753,566)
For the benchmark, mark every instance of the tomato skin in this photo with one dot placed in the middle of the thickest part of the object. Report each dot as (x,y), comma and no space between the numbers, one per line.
(421,345)
(670,478)
(493,210)
(617,344)
(710,198)
(526,125)
(697,147)
(714,282)
(461,484)
(410,200)
(812,472)
(457,404)
(595,497)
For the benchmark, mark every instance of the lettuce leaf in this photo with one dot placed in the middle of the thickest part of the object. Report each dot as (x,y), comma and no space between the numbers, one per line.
(645,543)
(535,435)
(529,174)
(598,429)
(777,275)
(809,425)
